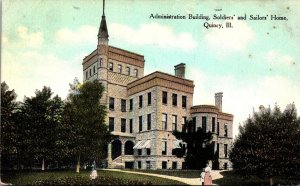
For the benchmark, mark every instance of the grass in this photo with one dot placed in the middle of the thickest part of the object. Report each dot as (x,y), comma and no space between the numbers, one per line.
(229,178)
(177,173)
(72,178)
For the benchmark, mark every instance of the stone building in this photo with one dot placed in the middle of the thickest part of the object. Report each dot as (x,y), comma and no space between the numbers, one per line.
(144,110)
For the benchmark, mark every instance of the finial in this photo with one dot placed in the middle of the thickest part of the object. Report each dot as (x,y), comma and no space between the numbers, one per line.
(103,14)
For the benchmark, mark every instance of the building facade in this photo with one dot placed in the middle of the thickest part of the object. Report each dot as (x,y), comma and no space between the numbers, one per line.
(144,110)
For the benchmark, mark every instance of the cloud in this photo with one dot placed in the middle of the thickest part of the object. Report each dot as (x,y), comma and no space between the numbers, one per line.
(226,41)
(30,39)
(36,70)
(153,34)
(275,58)
(85,34)
(239,98)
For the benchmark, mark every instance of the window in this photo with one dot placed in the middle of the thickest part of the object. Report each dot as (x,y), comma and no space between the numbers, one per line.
(164,121)
(139,152)
(120,69)
(164,165)
(149,98)
(101,62)
(225,130)
(193,126)
(218,128)
(128,71)
(111,103)
(213,124)
(204,123)
(148,121)
(148,151)
(183,101)
(184,124)
(139,164)
(94,69)
(90,72)
(111,124)
(174,122)
(140,123)
(225,150)
(130,125)
(164,148)
(164,97)
(140,101)
(174,99)
(136,72)
(86,74)
(147,164)
(123,125)
(130,104)
(174,165)
(123,105)
(111,67)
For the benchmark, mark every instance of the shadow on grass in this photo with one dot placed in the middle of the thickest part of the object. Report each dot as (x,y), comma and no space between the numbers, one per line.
(230,178)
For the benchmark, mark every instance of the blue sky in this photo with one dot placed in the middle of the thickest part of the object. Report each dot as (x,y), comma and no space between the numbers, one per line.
(254,63)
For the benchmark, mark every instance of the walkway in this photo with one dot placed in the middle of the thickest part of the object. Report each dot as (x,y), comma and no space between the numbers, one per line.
(190,181)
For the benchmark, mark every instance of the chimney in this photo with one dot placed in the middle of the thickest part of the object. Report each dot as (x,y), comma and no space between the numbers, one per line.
(180,70)
(218,100)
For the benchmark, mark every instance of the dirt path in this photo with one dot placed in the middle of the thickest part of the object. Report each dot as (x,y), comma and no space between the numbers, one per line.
(190,181)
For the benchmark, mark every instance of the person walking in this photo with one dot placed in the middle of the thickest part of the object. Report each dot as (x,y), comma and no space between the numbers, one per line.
(207,176)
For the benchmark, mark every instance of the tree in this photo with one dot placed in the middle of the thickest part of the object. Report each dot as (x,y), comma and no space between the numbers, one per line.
(268,144)
(84,118)
(8,130)
(199,147)
(38,118)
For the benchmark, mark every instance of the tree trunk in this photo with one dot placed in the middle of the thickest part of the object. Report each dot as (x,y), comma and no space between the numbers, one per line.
(78,164)
(43,165)
(271,181)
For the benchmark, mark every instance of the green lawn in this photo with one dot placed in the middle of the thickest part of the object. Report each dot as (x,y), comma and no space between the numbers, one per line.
(72,178)
(232,179)
(229,177)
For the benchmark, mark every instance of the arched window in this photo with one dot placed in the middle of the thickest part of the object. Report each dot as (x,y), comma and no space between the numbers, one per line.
(129,148)
(116,149)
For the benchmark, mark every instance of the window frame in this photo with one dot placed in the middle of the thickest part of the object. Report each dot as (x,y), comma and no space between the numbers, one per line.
(148,121)
(111,103)
(123,105)
(123,125)
(184,99)
(140,101)
(164,97)
(111,66)
(111,125)
(174,99)
(119,68)
(140,123)
(174,123)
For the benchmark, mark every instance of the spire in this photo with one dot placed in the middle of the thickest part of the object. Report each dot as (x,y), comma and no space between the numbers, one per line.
(103,33)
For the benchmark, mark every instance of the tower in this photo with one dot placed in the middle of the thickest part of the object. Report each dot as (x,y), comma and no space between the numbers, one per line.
(102,53)
(218,100)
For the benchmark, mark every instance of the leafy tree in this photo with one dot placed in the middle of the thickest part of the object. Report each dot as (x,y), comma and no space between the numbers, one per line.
(8,129)
(268,144)
(83,129)
(199,148)
(38,118)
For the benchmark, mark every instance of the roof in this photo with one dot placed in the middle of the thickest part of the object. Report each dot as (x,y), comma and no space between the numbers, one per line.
(103,33)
